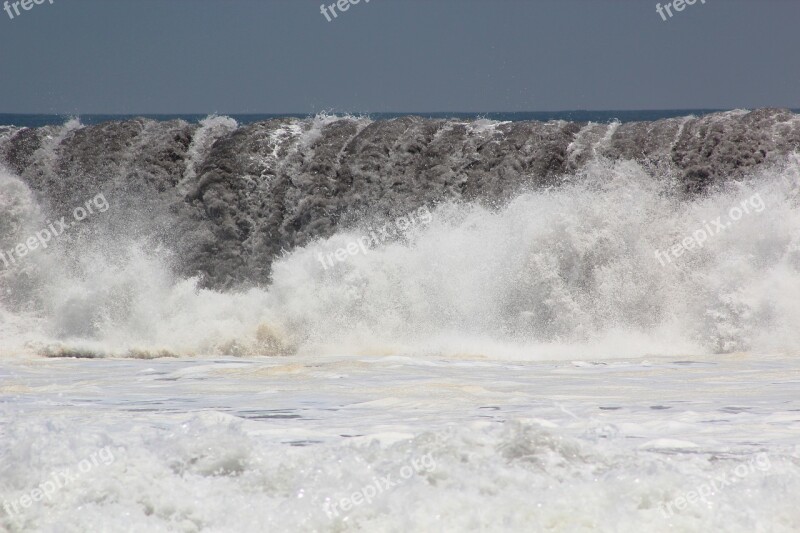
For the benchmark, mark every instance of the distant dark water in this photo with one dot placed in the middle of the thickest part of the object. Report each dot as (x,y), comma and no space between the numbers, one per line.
(34,121)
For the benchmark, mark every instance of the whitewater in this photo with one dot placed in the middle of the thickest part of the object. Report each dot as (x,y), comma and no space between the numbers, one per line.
(525,344)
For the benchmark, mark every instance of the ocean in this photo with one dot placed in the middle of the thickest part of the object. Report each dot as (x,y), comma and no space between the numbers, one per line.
(39,120)
(579,321)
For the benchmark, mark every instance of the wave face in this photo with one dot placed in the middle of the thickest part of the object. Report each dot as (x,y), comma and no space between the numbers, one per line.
(343,235)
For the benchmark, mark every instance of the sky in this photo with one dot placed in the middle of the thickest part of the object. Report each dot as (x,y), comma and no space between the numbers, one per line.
(284,56)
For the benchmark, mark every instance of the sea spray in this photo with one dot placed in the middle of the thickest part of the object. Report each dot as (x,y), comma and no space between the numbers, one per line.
(549,272)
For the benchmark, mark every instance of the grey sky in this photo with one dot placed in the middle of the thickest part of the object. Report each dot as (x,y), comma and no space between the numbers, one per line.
(278,56)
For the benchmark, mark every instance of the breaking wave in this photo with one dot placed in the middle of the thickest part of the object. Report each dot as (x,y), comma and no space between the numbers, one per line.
(552,265)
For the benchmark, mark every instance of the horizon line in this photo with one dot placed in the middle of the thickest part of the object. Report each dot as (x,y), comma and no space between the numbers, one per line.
(311,113)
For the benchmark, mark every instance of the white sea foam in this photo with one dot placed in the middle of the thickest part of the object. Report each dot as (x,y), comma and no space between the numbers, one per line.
(552,272)
(255,444)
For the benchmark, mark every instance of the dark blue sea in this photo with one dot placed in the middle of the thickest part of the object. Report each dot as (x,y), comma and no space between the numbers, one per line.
(36,120)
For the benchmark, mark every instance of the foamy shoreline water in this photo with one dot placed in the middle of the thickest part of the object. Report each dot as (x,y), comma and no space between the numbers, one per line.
(247,444)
